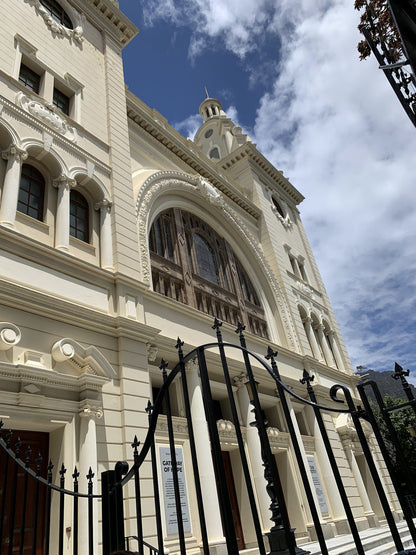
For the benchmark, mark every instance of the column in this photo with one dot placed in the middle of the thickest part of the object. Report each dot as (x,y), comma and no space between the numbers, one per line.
(335,350)
(311,338)
(106,240)
(206,468)
(87,459)
(14,156)
(327,351)
(254,452)
(64,185)
(359,481)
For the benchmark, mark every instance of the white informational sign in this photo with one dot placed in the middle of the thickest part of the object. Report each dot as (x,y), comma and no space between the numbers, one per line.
(169,492)
(317,484)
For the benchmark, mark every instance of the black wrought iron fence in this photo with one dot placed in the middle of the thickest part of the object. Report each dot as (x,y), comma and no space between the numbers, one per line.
(17,537)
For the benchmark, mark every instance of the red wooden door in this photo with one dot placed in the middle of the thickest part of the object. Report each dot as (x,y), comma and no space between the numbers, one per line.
(39,443)
(233,499)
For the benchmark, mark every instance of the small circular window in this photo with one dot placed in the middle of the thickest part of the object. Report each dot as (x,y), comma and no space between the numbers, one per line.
(208,133)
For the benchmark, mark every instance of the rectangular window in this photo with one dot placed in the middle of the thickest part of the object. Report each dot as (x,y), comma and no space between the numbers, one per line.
(61,101)
(29,78)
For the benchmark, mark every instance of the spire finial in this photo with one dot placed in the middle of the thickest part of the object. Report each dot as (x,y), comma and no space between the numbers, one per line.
(206,93)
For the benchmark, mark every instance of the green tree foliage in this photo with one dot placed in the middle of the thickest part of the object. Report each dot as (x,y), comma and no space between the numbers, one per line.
(401,420)
(376,17)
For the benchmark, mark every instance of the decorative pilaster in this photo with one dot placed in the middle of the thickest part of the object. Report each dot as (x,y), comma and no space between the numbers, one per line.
(87,461)
(202,444)
(106,246)
(64,184)
(15,157)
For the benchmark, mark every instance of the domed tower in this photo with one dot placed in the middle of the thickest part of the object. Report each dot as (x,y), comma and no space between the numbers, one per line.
(218,136)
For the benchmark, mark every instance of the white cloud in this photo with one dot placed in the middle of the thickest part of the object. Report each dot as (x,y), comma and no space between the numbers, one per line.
(334,125)
(189,126)
(236,24)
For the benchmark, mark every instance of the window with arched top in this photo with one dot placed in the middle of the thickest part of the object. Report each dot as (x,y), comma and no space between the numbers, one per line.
(193,264)
(214,154)
(31,192)
(278,207)
(79,225)
(57,12)
(206,263)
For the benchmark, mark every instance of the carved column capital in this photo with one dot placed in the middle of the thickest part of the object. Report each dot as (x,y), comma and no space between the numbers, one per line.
(14,153)
(192,366)
(91,411)
(104,204)
(64,181)
(241,380)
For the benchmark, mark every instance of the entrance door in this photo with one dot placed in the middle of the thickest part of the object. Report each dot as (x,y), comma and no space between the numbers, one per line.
(233,499)
(39,443)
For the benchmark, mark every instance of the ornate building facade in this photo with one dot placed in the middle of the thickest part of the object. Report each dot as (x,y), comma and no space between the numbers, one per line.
(116,236)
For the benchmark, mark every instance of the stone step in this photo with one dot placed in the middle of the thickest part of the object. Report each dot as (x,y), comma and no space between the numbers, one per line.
(376,541)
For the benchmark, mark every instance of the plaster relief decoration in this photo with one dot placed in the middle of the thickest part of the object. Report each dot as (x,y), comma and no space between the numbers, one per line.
(82,360)
(209,191)
(75,34)
(151,352)
(306,289)
(10,336)
(48,114)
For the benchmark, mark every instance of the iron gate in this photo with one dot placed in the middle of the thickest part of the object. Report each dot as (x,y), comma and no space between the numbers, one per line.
(281,537)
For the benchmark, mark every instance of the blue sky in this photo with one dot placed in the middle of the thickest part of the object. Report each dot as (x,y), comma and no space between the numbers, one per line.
(289,74)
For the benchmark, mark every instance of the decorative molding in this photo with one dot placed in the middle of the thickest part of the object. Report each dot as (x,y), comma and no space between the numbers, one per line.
(10,336)
(209,191)
(277,439)
(168,181)
(75,34)
(178,423)
(151,352)
(85,360)
(226,432)
(48,114)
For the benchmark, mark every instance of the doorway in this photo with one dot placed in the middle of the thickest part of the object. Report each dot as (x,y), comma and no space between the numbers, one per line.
(233,500)
(13,506)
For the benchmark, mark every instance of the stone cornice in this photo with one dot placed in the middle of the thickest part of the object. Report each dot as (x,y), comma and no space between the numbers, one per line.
(157,126)
(111,18)
(270,174)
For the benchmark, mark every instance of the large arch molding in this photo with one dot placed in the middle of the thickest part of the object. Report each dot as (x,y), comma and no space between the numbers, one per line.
(163,188)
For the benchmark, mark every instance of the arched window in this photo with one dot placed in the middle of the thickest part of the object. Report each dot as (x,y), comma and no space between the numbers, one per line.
(214,154)
(31,192)
(193,264)
(207,267)
(79,217)
(57,12)
(278,207)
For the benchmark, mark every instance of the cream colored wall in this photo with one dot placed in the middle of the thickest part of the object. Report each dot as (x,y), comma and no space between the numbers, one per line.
(58,55)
